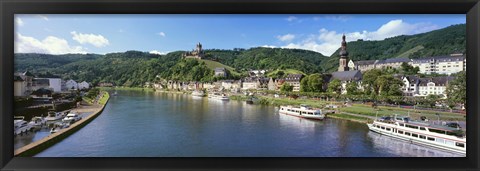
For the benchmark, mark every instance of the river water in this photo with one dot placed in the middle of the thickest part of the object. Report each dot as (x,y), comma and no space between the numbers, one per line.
(154,124)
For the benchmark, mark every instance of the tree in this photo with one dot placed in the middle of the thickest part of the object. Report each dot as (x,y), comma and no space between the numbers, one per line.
(457,89)
(368,81)
(304,86)
(352,88)
(409,70)
(286,88)
(315,82)
(387,85)
(335,86)
(431,100)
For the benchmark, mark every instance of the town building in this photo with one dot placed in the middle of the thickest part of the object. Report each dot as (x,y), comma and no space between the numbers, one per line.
(434,86)
(220,72)
(449,64)
(392,63)
(55,84)
(197,53)
(83,85)
(294,80)
(19,86)
(71,85)
(346,77)
(410,85)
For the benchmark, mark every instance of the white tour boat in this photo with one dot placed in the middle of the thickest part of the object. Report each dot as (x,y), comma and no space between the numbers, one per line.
(71,118)
(21,126)
(422,133)
(304,112)
(198,93)
(53,116)
(219,96)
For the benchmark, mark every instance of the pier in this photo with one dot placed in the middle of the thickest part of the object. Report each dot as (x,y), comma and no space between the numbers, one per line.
(37,146)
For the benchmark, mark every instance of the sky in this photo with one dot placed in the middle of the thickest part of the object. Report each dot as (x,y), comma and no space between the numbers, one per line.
(162,33)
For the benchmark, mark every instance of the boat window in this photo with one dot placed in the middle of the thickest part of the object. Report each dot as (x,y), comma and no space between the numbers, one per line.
(430,138)
(422,136)
(411,126)
(400,132)
(388,129)
(414,135)
(422,128)
(440,140)
(448,142)
(378,126)
(407,133)
(402,124)
(460,145)
(436,131)
(282,109)
(382,127)
(451,133)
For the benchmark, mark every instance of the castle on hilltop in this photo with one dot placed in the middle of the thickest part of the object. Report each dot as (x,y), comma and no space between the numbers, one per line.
(197,53)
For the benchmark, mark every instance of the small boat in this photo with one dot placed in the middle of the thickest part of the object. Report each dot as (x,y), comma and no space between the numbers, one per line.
(53,130)
(304,112)
(444,137)
(21,126)
(115,93)
(218,96)
(38,122)
(252,100)
(71,118)
(198,93)
(53,116)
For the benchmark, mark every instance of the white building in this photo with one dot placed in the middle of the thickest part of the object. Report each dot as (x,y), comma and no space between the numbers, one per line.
(294,80)
(410,85)
(435,86)
(71,85)
(83,85)
(55,84)
(441,64)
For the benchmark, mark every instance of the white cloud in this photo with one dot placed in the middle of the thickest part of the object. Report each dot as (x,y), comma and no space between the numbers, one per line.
(19,21)
(268,46)
(95,40)
(161,34)
(291,18)
(158,52)
(44,17)
(328,41)
(286,38)
(49,45)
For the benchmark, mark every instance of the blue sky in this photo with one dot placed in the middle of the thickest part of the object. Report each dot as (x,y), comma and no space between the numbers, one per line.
(60,34)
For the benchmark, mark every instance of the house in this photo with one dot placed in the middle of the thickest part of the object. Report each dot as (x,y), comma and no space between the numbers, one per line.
(28,78)
(19,86)
(410,85)
(362,65)
(272,84)
(249,83)
(220,72)
(294,80)
(39,83)
(83,85)
(71,85)
(434,85)
(346,77)
(392,63)
(449,64)
(262,83)
(55,84)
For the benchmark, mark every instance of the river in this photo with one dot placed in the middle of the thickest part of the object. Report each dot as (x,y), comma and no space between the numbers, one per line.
(154,124)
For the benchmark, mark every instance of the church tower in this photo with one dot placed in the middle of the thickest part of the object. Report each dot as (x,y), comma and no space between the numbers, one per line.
(343,63)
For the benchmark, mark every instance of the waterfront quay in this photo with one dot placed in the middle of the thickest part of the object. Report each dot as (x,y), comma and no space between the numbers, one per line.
(89,112)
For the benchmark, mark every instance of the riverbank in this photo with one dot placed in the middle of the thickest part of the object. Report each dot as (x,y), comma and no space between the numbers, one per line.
(38,146)
(127,88)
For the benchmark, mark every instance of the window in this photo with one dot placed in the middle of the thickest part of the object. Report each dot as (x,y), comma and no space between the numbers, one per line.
(388,129)
(422,128)
(407,133)
(400,132)
(382,127)
(440,140)
(430,138)
(460,145)
(378,126)
(422,137)
(412,126)
(415,135)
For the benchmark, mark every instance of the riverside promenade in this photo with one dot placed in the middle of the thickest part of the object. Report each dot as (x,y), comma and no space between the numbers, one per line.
(40,145)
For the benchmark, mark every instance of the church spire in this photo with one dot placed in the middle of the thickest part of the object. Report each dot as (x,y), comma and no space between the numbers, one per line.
(343,56)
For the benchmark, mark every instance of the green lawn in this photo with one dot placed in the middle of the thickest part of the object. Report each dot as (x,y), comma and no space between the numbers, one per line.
(286,71)
(214,64)
(349,117)
(104,99)
(390,111)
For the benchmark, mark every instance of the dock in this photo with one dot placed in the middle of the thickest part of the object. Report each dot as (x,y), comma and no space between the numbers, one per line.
(40,145)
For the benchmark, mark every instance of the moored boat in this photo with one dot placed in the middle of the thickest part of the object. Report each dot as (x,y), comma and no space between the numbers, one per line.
(53,116)
(198,93)
(20,126)
(38,122)
(218,96)
(421,133)
(71,118)
(303,111)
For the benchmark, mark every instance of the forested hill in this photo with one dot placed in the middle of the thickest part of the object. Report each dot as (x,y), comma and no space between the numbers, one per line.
(134,68)
(438,42)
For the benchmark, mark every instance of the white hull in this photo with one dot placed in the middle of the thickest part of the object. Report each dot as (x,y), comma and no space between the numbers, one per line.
(297,114)
(416,140)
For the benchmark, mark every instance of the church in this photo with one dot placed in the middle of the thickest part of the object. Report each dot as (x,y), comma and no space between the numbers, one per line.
(344,74)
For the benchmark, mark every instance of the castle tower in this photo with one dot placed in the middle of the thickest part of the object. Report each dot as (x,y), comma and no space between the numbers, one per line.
(199,47)
(343,63)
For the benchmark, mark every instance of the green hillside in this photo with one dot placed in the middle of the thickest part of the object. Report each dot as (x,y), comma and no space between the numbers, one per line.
(214,64)
(438,42)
